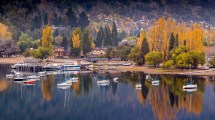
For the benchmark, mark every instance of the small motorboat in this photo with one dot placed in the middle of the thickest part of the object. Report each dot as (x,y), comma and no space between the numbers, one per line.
(103,82)
(41,74)
(148,77)
(9,76)
(29,82)
(190,86)
(190,90)
(115,79)
(33,77)
(64,85)
(155,83)
(138,86)
(71,80)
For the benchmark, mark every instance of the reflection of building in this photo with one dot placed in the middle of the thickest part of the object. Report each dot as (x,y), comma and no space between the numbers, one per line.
(60,52)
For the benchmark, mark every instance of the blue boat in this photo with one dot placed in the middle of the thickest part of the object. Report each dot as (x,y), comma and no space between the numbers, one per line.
(71,67)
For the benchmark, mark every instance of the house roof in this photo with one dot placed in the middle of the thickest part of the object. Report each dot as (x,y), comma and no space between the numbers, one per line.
(32,60)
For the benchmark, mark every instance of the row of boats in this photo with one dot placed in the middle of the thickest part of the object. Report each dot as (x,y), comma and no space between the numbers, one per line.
(53,67)
(190,87)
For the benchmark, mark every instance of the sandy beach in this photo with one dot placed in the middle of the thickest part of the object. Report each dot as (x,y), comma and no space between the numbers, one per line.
(148,70)
(11,60)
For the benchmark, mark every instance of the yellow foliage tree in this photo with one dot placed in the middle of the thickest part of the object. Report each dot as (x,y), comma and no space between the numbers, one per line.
(47,37)
(5,34)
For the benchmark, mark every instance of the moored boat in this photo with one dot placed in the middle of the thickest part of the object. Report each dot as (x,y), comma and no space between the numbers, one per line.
(115,79)
(64,85)
(138,86)
(71,67)
(190,86)
(9,75)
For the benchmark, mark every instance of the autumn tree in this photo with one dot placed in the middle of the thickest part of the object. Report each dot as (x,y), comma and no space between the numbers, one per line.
(75,42)
(47,38)
(5,34)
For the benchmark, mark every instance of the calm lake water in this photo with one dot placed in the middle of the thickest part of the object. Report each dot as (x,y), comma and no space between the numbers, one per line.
(85,100)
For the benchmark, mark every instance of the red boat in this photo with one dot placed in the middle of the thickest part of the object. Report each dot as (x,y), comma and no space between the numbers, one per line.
(29,82)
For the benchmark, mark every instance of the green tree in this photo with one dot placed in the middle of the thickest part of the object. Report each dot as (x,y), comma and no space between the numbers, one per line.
(25,41)
(42,53)
(144,49)
(114,35)
(135,56)
(171,42)
(86,41)
(83,20)
(100,37)
(64,43)
(107,36)
(72,18)
(197,57)
(177,51)
(184,60)
(168,64)
(153,58)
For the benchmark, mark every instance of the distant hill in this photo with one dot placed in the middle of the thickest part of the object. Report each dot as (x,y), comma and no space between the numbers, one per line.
(131,15)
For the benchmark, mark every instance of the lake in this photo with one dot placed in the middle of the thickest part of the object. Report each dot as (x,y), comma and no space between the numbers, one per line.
(85,100)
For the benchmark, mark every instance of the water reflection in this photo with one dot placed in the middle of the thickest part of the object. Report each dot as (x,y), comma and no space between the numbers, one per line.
(118,100)
(47,87)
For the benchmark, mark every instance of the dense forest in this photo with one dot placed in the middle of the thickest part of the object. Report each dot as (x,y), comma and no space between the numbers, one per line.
(81,25)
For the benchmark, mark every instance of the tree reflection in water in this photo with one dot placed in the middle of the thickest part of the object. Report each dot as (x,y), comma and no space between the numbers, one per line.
(168,98)
(47,87)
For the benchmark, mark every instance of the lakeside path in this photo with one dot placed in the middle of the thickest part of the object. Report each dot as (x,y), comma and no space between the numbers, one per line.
(148,70)
(11,60)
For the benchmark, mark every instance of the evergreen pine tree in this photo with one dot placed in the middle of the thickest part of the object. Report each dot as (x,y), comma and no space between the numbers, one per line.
(83,20)
(64,43)
(176,41)
(144,49)
(107,38)
(86,42)
(171,42)
(114,35)
(72,18)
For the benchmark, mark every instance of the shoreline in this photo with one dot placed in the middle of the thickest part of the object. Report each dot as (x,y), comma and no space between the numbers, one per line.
(11,60)
(147,70)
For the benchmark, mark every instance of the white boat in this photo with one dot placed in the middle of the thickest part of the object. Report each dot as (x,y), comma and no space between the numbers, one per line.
(138,86)
(18,74)
(148,77)
(9,76)
(71,67)
(126,64)
(71,80)
(155,83)
(41,74)
(63,85)
(190,90)
(103,81)
(115,79)
(33,77)
(190,86)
